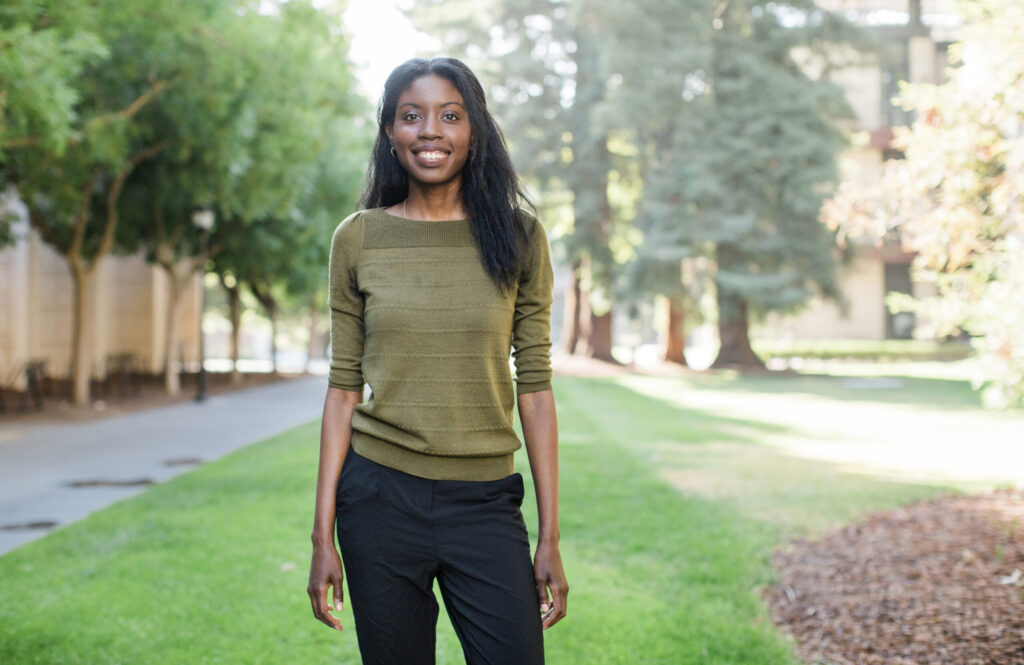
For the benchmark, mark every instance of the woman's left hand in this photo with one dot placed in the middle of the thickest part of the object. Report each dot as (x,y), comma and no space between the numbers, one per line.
(549,575)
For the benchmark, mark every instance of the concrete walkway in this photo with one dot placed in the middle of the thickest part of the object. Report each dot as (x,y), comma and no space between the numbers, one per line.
(38,464)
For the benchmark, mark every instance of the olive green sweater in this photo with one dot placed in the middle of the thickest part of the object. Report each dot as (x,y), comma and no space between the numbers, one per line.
(416,316)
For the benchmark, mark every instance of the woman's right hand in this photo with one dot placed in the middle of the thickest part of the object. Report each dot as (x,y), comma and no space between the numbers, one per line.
(325,571)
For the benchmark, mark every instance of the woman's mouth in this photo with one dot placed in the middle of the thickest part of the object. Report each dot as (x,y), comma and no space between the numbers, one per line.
(431,157)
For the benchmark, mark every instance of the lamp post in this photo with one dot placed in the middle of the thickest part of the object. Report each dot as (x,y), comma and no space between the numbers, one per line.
(203,220)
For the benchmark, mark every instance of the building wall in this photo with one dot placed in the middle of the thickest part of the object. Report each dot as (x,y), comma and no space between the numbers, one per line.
(862,317)
(127,312)
(863,281)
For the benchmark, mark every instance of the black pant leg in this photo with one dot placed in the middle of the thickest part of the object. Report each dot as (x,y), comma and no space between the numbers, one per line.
(389,565)
(486,574)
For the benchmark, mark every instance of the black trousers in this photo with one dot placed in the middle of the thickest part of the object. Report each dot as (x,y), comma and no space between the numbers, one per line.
(398,532)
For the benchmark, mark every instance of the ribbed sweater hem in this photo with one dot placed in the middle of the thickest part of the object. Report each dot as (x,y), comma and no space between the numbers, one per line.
(435,467)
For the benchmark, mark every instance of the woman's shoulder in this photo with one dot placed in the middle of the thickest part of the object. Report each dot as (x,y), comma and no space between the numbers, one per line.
(348,234)
(532,226)
(351,228)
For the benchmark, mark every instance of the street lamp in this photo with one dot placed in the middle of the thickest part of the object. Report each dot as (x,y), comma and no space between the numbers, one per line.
(203,220)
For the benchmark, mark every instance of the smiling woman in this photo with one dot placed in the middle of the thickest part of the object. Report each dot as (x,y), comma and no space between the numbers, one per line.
(432,285)
(431,136)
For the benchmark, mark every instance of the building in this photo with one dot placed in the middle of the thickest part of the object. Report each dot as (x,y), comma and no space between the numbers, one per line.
(915,36)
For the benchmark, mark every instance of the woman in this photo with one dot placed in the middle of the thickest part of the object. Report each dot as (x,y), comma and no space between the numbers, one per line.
(432,284)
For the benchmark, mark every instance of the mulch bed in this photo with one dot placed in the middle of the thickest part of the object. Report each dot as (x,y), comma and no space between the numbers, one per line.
(929,583)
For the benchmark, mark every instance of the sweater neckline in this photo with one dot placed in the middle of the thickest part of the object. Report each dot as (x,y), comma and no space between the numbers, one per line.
(388,215)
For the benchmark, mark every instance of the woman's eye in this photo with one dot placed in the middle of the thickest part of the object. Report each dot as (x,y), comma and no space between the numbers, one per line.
(450,116)
(410,116)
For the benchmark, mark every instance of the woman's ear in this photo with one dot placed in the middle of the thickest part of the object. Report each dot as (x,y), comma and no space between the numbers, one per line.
(389,130)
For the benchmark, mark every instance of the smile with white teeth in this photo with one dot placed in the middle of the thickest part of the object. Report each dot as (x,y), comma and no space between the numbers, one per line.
(432,154)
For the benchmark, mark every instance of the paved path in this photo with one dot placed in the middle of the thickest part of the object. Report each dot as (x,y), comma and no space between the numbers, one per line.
(37,465)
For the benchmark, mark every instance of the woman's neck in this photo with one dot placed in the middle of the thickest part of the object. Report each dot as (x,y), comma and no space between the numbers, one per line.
(434,203)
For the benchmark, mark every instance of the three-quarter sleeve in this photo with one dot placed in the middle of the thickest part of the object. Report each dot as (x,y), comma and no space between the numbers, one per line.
(531,331)
(346,303)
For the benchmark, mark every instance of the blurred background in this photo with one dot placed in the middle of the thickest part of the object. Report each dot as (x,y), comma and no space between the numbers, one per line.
(727,184)
(788,240)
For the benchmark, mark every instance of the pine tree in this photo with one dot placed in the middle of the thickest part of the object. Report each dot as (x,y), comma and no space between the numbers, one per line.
(735,143)
(752,164)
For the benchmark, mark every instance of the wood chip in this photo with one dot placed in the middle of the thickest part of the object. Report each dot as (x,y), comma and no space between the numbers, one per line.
(919,585)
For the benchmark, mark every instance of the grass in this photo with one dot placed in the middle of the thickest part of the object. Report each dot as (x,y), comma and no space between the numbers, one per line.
(670,510)
(866,349)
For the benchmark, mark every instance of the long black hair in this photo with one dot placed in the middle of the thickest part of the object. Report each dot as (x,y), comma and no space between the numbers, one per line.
(491,192)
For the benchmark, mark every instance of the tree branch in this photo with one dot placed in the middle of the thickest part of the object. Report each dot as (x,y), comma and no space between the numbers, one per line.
(22,142)
(37,222)
(115,193)
(81,220)
(124,114)
(145,98)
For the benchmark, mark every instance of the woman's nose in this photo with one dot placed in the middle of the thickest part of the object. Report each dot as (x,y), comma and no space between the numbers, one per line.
(431,128)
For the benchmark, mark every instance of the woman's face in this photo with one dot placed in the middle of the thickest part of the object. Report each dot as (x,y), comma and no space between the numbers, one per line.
(430,131)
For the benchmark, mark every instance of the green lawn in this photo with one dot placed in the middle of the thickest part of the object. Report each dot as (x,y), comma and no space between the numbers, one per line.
(669,515)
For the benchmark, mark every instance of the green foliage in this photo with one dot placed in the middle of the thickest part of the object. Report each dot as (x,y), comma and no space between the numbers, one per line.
(955,199)
(268,135)
(71,180)
(40,57)
(733,143)
(751,158)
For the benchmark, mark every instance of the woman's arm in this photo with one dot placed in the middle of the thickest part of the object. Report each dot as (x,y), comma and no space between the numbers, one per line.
(325,569)
(540,431)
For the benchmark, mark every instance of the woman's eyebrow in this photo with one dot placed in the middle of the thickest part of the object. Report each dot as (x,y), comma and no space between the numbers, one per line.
(417,106)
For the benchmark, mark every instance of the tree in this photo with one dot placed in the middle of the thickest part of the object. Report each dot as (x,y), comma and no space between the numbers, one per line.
(736,145)
(248,138)
(658,79)
(757,161)
(955,199)
(72,187)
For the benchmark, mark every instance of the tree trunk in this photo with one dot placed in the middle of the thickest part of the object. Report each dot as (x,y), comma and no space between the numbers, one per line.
(272,314)
(172,378)
(595,330)
(592,211)
(81,368)
(179,283)
(599,341)
(235,314)
(733,332)
(675,334)
(571,315)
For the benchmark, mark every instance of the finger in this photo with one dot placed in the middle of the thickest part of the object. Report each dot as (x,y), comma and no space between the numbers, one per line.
(339,594)
(558,606)
(542,596)
(562,601)
(321,609)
